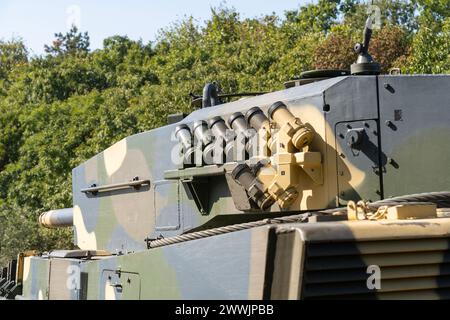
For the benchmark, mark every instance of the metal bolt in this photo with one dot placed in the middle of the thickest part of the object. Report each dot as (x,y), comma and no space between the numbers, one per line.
(349,126)
(393,163)
(366,124)
(342,155)
(375,132)
(388,123)
(389,88)
(341,136)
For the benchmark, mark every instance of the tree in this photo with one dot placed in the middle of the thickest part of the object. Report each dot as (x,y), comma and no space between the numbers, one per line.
(73,42)
(392,12)
(336,51)
(13,53)
(315,17)
(390,46)
(433,11)
(430,51)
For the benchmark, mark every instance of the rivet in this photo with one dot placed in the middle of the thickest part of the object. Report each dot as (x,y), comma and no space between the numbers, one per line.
(389,88)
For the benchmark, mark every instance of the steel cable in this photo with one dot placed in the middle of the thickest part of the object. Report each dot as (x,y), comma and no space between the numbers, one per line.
(226,229)
(441,199)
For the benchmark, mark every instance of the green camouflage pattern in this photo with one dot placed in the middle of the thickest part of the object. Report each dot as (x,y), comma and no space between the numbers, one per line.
(405,123)
(121,221)
(289,261)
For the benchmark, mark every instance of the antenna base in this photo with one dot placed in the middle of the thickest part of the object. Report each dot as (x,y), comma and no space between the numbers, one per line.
(365,68)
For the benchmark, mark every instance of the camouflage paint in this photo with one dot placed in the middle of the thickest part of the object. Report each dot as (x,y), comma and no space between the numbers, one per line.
(172,272)
(233,266)
(36,278)
(48,278)
(121,220)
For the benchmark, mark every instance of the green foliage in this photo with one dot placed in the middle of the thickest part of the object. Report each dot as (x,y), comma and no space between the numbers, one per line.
(18,233)
(58,110)
(392,12)
(430,50)
(72,42)
(433,11)
(315,17)
(12,54)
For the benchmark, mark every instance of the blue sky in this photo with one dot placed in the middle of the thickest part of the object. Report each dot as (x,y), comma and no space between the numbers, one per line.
(36,21)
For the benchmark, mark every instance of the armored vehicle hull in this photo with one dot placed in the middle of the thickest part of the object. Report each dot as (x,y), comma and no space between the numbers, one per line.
(149,228)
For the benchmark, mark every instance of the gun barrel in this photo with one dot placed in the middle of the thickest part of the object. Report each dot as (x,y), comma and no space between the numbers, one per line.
(57,218)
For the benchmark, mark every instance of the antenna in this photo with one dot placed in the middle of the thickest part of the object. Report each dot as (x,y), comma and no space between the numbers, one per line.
(365,65)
